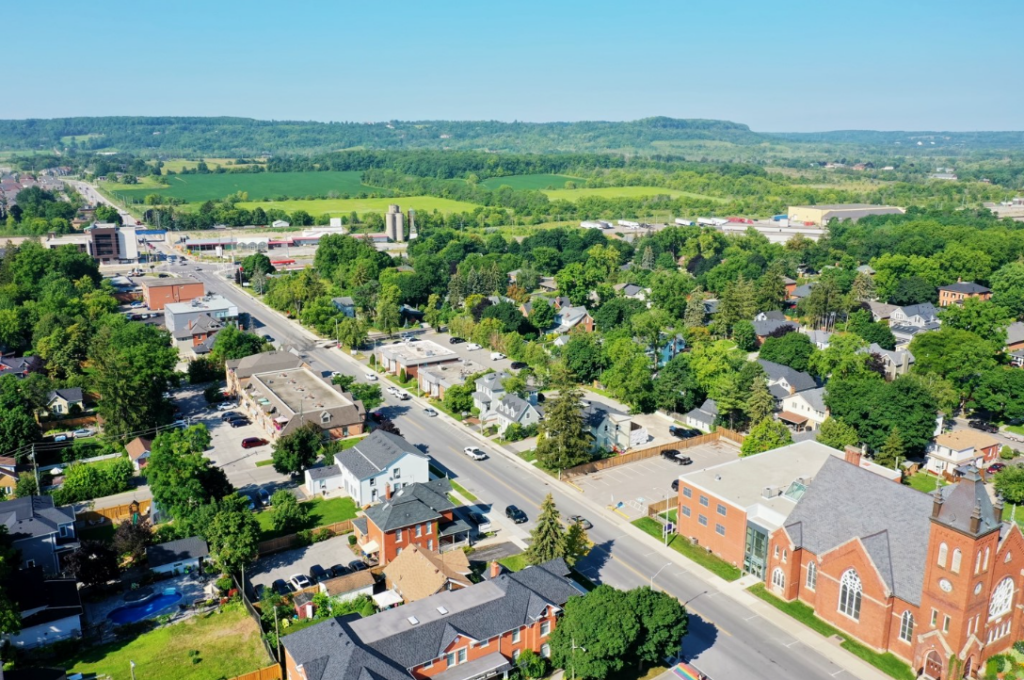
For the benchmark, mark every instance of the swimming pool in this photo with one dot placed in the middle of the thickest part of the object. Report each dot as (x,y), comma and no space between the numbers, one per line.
(143,610)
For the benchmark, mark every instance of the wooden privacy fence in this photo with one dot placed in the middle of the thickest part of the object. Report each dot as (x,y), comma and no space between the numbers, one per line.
(644,454)
(116,513)
(268,673)
(655,509)
(291,540)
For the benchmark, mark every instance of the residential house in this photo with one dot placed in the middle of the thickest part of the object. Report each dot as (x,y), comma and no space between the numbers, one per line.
(345,305)
(40,531)
(382,462)
(906,322)
(435,380)
(410,357)
(790,286)
(571,318)
(417,573)
(866,269)
(548,284)
(632,291)
(181,556)
(526,309)
(512,408)
(198,334)
(804,410)
(896,362)
(939,588)
(8,474)
(710,307)
(801,292)
(472,633)
(138,452)
(703,417)
(784,381)
(416,514)
(20,367)
(612,431)
(950,453)
(767,324)
(1014,337)
(50,609)
(62,401)
(820,339)
(880,311)
(673,346)
(956,293)
(339,589)
(489,391)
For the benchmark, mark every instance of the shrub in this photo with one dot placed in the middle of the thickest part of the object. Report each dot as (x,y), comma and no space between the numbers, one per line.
(1006,453)
(1018,646)
(352,539)
(225,583)
(322,535)
(305,537)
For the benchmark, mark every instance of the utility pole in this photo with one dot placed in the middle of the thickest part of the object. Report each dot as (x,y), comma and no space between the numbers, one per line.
(35,468)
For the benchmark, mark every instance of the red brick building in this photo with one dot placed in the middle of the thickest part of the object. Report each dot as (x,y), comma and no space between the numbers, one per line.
(157,293)
(473,633)
(935,579)
(956,293)
(418,514)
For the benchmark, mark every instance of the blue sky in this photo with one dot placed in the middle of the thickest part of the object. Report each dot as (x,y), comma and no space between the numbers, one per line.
(787,65)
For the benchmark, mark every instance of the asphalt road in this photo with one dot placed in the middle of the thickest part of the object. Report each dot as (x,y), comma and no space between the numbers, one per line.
(726,640)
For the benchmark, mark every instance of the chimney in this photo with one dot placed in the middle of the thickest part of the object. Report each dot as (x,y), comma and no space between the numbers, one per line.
(387,491)
(997,514)
(853,455)
(936,502)
(495,569)
(976,519)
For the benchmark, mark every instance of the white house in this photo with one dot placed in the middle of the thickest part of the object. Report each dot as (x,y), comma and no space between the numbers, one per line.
(805,410)
(906,322)
(951,450)
(489,391)
(613,431)
(50,609)
(703,417)
(379,461)
(174,557)
(514,409)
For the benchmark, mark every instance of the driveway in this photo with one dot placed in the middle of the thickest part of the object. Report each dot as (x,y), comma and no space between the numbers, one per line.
(284,565)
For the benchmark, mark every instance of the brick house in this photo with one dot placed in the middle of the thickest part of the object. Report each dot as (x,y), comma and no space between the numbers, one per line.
(959,448)
(939,588)
(417,514)
(955,293)
(473,633)
(157,293)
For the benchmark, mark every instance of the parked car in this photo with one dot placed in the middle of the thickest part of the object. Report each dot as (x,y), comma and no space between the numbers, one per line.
(516,365)
(83,433)
(137,304)
(392,390)
(474,453)
(403,396)
(674,456)
(682,432)
(996,467)
(582,521)
(358,565)
(338,570)
(684,460)
(230,415)
(455,341)
(430,412)
(317,573)
(264,496)
(480,520)
(239,422)
(299,581)
(226,406)
(252,442)
(335,374)
(473,346)
(252,501)
(180,424)
(983,426)
(60,438)
(371,376)
(675,485)
(281,587)
(497,356)
(515,514)
(268,338)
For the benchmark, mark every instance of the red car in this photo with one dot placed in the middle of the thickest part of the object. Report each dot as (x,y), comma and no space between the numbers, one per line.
(996,467)
(252,442)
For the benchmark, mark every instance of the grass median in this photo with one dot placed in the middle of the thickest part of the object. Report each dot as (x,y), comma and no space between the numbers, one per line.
(714,564)
(885,662)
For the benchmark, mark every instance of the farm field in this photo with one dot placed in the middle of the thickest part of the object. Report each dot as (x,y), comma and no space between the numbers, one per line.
(613,192)
(531,182)
(344,206)
(199,188)
(179,164)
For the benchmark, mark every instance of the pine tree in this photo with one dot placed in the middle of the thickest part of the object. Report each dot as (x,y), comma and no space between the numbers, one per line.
(647,261)
(893,450)
(547,540)
(565,442)
(760,403)
(695,313)
(863,287)
(575,544)
(738,302)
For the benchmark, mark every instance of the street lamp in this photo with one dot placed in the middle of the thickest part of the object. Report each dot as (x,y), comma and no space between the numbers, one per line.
(667,564)
(574,648)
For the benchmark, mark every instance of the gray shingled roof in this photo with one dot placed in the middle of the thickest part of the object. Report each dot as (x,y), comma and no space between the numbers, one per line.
(68,394)
(925,309)
(845,502)
(815,397)
(373,454)
(799,380)
(967,287)
(324,472)
(514,407)
(766,327)
(1015,333)
(33,516)
(965,498)
(412,504)
(264,362)
(176,551)
(492,381)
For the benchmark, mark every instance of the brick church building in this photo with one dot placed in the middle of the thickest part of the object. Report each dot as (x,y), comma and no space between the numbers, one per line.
(935,579)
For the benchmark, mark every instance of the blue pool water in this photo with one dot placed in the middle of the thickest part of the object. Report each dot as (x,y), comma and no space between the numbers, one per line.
(143,610)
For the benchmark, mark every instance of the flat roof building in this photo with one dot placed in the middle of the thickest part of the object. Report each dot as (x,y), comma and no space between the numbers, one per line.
(158,293)
(819,215)
(434,380)
(282,400)
(177,315)
(412,356)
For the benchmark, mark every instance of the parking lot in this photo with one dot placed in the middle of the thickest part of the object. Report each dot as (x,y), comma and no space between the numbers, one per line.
(285,564)
(632,487)
(481,356)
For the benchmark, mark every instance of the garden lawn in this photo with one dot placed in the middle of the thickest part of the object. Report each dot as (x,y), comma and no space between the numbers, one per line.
(924,482)
(714,564)
(465,494)
(228,644)
(887,663)
(514,562)
(321,513)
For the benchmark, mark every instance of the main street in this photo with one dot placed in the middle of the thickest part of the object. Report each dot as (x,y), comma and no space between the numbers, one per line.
(727,639)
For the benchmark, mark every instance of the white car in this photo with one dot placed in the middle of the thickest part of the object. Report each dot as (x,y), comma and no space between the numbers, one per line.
(180,424)
(83,433)
(371,376)
(496,356)
(474,453)
(430,412)
(392,390)
(335,374)
(472,346)
(226,406)
(404,396)
(300,581)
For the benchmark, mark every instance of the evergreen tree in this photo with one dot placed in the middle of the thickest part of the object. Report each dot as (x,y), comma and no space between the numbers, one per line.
(738,303)
(771,289)
(564,442)
(647,260)
(893,450)
(694,315)
(547,540)
(863,287)
(760,403)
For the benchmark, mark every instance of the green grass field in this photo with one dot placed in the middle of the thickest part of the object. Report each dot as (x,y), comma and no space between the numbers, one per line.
(179,164)
(344,206)
(611,192)
(228,644)
(533,182)
(321,513)
(261,185)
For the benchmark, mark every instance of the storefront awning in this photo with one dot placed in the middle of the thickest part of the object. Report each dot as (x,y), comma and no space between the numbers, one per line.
(793,418)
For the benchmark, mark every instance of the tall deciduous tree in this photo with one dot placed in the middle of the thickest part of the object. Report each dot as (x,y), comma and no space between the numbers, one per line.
(663,624)
(792,349)
(388,317)
(564,441)
(605,624)
(298,450)
(837,434)
(766,435)
(180,477)
(547,540)
(232,532)
(93,563)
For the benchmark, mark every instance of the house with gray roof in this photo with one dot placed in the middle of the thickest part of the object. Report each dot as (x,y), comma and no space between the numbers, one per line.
(896,362)
(489,391)
(39,530)
(880,311)
(804,410)
(19,367)
(611,430)
(381,463)
(180,556)
(345,305)
(801,292)
(703,417)
(906,322)
(784,381)
(765,327)
(470,633)
(569,318)
(820,339)
(62,401)
(512,408)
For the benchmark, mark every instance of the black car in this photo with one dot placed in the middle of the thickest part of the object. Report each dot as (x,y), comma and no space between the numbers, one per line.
(261,591)
(338,570)
(675,485)
(281,587)
(358,565)
(516,365)
(515,514)
(983,426)
(231,415)
(239,422)
(670,455)
(682,432)
(455,341)
(317,573)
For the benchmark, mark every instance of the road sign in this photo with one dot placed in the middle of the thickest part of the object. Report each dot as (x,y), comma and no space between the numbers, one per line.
(669,528)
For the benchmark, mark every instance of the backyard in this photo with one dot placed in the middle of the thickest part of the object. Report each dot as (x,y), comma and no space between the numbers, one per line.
(321,512)
(220,644)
